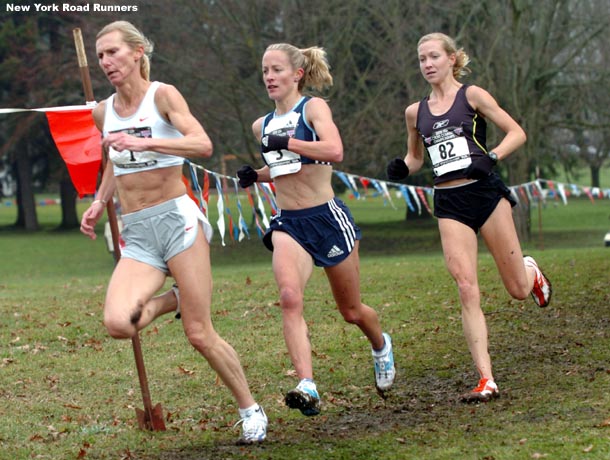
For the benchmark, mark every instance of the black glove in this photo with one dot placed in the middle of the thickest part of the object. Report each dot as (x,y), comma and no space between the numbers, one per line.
(272,142)
(480,167)
(247,176)
(397,169)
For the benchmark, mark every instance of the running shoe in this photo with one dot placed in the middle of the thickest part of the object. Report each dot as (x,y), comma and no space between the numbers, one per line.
(542,290)
(304,397)
(384,365)
(485,391)
(254,426)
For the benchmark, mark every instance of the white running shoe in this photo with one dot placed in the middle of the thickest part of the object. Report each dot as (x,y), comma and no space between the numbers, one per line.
(485,391)
(304,397)
(254,425)
(542,290)
(385,372)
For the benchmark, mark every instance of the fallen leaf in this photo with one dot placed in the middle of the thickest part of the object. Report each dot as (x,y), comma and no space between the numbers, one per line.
(72,406)
(185,371)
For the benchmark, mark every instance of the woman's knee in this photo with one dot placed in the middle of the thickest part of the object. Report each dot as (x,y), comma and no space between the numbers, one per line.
(119,328)
(352,315)
(291,299)
(118,324)
(518,291)
(467,289)
(202,339)
(466,285)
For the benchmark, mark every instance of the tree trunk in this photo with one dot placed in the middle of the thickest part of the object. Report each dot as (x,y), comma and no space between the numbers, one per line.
(26,203)
(415,215)
(521,216)
(594,175)
(516,169)
(67,196)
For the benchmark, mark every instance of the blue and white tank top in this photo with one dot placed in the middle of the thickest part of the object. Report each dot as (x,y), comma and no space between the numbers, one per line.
(292,124)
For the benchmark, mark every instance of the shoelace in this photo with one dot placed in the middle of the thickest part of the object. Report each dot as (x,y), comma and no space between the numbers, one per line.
(384,364)
(482,386)
(249,429)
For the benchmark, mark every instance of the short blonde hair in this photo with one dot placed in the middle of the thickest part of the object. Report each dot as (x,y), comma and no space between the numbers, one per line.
(134,38)
(460,69)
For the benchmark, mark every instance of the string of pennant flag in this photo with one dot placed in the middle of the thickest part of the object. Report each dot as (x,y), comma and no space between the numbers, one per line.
(231,220)
(78,142)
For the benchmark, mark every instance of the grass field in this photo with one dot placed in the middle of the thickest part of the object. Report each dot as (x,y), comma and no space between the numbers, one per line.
(69,391)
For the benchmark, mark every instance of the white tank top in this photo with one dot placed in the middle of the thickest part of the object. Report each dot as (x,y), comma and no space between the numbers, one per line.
(145,122)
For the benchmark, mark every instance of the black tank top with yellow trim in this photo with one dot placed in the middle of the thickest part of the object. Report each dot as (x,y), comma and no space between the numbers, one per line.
(453,138)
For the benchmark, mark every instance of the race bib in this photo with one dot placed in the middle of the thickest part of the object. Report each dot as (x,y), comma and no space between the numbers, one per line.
(282,162)
(449,155)
(132,160)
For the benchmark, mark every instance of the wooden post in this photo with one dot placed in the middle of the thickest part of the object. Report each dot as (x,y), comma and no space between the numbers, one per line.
(223,169)
(151,418)
(540,236)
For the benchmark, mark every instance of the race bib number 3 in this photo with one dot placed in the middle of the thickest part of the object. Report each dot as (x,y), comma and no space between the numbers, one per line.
(282,162)
(450,155)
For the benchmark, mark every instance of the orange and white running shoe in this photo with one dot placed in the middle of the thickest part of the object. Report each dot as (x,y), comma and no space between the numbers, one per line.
(542,290)
(485,391)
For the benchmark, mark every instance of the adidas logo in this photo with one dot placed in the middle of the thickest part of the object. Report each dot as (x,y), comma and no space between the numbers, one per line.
(334,252)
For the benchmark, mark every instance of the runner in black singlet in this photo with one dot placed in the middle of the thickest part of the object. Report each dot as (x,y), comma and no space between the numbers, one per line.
(450,125)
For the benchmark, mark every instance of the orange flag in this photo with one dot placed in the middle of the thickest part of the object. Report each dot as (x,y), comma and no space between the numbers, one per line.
(78,141)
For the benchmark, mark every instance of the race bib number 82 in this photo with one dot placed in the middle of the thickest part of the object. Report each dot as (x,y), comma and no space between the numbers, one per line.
(450,155)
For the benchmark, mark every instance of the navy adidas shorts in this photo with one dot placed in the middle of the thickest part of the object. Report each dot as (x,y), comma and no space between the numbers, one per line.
(327,232)
(473,203)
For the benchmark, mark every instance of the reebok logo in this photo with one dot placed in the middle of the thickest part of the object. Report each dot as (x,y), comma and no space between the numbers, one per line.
(334,252)
(440,124)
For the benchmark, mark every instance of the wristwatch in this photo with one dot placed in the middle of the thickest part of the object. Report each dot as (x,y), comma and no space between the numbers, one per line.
(493,156)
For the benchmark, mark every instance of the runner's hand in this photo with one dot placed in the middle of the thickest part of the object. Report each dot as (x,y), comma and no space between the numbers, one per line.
(480,168)
(247,176)
(397,169)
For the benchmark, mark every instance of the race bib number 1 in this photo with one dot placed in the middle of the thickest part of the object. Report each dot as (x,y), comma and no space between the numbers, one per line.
(127,159)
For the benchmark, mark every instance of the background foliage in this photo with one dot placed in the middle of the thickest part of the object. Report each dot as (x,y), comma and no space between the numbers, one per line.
(544,60)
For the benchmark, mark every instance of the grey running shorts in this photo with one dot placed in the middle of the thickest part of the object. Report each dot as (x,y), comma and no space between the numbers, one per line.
(154,235)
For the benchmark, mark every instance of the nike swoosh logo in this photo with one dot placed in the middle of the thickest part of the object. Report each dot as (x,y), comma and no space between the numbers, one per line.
(188,228)
(142,119)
